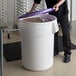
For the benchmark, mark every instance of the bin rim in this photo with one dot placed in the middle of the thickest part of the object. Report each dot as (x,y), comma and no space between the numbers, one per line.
(22,19)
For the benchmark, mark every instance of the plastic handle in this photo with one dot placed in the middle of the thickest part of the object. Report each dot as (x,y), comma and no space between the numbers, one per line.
(37,13)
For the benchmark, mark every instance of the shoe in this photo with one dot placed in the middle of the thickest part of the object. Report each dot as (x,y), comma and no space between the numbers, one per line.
(56,53)
(66,58)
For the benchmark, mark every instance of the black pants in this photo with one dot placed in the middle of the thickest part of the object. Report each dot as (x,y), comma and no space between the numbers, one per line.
(64,24)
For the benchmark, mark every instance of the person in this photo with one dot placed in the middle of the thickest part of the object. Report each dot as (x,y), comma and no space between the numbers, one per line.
(61,12)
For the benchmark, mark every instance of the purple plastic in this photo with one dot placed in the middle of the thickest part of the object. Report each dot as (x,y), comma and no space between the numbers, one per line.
(37,13)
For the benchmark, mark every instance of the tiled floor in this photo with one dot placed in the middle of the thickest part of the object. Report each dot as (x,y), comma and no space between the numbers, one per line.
(58,69)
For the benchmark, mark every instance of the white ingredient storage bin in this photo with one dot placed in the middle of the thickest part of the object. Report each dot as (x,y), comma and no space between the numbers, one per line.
(37,41)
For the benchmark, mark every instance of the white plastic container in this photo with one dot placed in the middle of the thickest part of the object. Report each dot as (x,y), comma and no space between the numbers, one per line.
(37,41)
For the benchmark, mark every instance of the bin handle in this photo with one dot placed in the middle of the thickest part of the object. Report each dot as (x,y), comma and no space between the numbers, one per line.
(55,27)
(37,13)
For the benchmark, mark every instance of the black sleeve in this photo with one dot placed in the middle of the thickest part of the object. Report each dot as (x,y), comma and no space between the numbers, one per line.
(37,1)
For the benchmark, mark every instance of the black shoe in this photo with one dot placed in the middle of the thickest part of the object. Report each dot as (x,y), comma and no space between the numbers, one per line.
(66,58)
(56,53)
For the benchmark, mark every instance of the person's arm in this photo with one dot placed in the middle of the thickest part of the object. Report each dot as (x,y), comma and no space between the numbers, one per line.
(35,4)
(33,7)
(56,6)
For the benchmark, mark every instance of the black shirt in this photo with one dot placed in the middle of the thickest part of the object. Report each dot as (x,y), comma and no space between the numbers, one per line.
(63,9)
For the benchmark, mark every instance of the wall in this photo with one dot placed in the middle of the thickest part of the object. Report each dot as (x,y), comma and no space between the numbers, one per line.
(73,9)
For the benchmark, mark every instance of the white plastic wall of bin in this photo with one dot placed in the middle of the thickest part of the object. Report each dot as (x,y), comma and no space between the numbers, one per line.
(37,41)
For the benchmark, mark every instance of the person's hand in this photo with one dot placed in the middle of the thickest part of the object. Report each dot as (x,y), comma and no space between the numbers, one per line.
(32,10)
(56,7)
